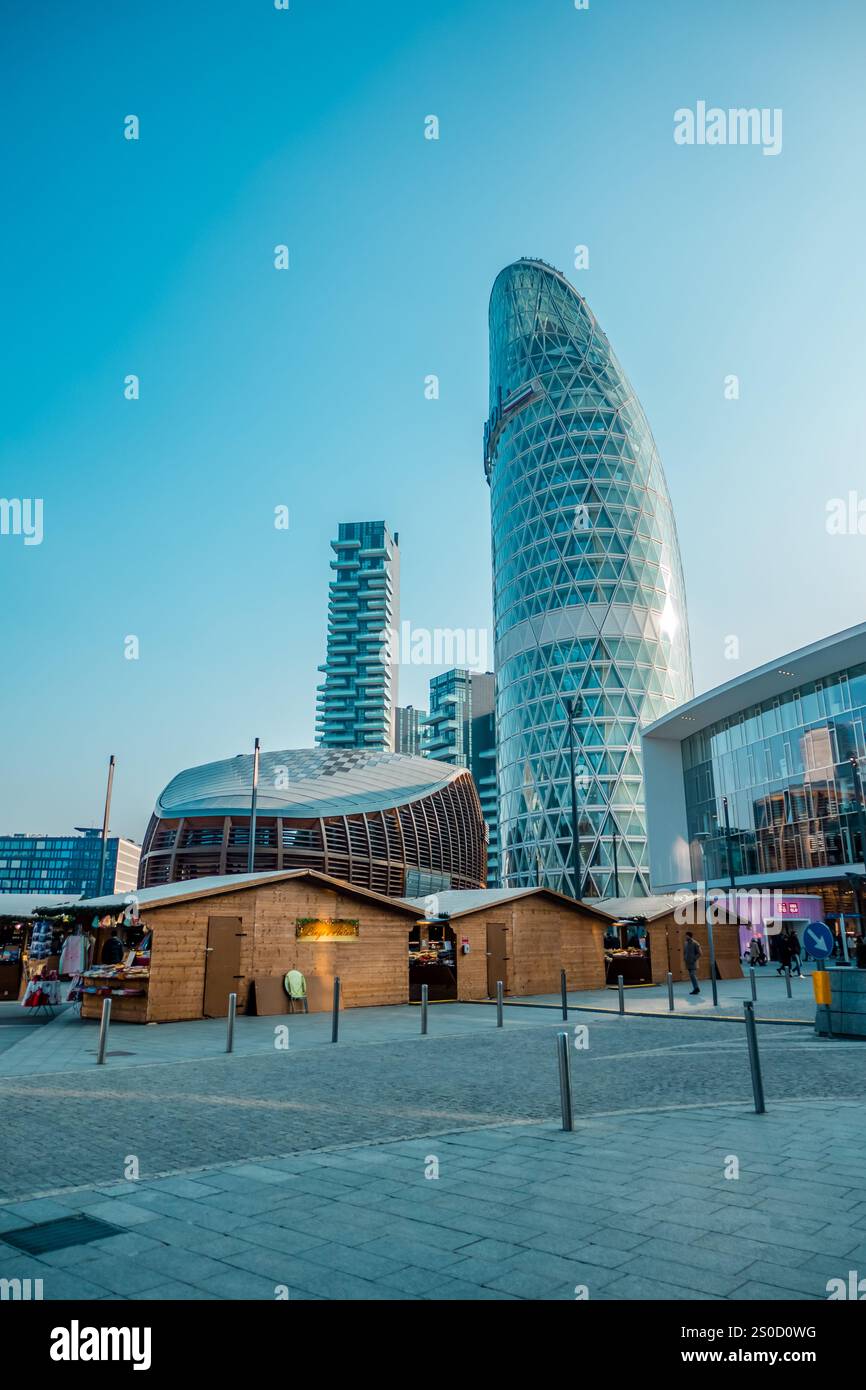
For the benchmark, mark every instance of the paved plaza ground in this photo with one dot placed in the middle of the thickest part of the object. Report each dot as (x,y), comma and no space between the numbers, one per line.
(398,1166)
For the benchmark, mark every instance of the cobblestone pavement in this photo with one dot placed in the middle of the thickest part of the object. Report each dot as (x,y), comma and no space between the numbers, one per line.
(706,1203)
(62,1129)
(70,1042)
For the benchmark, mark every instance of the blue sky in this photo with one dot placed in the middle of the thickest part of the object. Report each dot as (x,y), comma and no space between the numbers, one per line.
(305,387)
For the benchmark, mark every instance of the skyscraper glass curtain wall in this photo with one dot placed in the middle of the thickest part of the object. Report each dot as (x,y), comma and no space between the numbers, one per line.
(588,593)
(461,729)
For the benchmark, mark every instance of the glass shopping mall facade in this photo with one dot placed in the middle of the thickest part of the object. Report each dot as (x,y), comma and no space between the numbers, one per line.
(784,745)
(588,592)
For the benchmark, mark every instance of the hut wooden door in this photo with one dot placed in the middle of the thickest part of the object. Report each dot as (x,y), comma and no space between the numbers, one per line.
(223,963)
(496,958)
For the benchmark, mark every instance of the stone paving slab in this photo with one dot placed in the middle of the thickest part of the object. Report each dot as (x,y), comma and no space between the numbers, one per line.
(408,1236)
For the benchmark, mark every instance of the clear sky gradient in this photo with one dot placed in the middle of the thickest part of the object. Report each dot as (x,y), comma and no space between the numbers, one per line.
(306,387)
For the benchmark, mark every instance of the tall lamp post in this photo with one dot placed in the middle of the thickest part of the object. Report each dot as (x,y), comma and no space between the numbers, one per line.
(708,916)
(615,867)
(574,709)
(728,855)
(251,857)
(106,818)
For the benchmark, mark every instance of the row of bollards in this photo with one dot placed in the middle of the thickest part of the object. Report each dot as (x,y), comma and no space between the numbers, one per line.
(564,1062)
(105,1019)
(562,1038)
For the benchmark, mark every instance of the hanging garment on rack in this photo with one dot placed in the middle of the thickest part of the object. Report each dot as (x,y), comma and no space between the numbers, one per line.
(41,940)
(73,957)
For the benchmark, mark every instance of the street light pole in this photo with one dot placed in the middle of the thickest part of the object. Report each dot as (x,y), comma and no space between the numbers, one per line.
(574,709)
(251,858)
(729,857)
(615,868)
(106,818)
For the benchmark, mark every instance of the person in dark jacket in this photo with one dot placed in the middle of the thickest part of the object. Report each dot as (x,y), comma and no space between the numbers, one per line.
(691,956)
(113,951)
(784,953)
(860,947)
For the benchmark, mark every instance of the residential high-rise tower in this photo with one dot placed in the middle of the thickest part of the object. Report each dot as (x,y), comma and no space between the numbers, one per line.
(408,729)
(356,701)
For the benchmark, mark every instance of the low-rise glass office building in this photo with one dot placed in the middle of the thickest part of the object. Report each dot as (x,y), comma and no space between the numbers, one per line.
(783,746)
(67,864)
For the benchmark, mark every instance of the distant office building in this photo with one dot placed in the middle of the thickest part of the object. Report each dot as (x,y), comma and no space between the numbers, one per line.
(784,747)
(399,825)
(461,729)
(68,863)
(588,597)
(356,702)
(409,729)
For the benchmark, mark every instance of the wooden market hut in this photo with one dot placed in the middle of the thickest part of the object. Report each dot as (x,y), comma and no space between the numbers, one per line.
(521,936)
(243,932)
(667,917)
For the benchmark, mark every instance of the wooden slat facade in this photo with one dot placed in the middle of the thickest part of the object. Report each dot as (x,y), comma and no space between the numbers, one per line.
(544,935)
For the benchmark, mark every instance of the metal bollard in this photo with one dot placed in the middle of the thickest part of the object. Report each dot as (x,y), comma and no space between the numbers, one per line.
(788,981)
(670,992)
(754,984)
(230,1026)
(563,989)
(499,1014)
(564,1056)
(103,1031)
(621,989)
(335,1016)
(424,990)
(754,1057)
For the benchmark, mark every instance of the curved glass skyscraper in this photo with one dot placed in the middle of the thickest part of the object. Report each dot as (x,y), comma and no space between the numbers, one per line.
(588,595)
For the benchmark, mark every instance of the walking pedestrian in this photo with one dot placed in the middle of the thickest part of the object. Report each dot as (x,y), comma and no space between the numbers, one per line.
(784,953)
(794,960)
(691,956)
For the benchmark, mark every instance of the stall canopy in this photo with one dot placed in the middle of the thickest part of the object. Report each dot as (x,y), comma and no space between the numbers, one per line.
(24,907)
(160,896)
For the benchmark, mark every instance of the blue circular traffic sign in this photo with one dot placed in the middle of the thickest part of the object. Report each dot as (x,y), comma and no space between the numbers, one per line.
(818,940)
